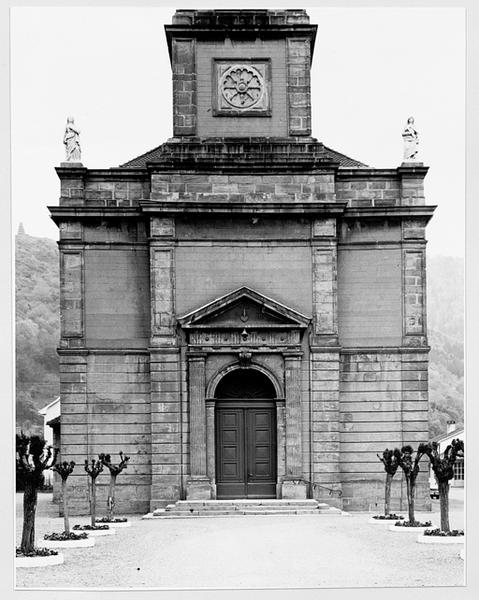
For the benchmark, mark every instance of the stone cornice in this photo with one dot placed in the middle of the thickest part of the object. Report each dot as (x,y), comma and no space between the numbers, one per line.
(61,213)
(239,24)
(105,174)
(424,211)
(386,350)
(228,208)
(173,208)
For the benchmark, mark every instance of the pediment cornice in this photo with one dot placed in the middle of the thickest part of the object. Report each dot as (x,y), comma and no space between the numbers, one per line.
(244,308)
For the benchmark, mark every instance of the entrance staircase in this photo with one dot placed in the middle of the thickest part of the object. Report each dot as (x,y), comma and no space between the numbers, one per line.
(235,508)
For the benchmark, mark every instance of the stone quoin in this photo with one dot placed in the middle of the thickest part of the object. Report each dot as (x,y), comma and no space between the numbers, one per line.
(243,309)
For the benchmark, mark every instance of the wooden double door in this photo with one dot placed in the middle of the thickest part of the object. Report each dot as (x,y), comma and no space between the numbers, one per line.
(245,449)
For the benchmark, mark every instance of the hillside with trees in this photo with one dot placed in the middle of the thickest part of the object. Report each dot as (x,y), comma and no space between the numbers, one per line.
(37,327)
(445,298)
(38,330)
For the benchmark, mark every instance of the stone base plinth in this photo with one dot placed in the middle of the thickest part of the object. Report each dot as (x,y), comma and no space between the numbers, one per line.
(198,489)
(294,488)
(71,164)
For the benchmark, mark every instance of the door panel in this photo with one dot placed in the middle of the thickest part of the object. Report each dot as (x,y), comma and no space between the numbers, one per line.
(245,451)
(261,453)
(231,456)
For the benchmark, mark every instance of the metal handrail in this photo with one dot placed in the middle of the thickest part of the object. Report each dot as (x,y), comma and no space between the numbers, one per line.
(331,491)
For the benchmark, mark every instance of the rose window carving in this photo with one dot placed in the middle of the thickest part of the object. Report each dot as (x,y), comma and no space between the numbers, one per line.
(242,86)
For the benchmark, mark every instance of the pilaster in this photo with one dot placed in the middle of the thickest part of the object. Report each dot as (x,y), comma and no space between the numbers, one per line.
(72,288)
(293,483)
(75,422)
(325,417)
(198,486)
(165,362)
(184,86)
(162,282)
(298,61)
(325,282)
(324,362)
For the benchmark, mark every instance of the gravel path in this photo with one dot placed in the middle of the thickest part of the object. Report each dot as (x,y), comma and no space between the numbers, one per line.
(250,552)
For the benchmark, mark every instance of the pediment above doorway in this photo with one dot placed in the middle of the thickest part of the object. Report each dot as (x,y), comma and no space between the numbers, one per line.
(244,307)
(244,316)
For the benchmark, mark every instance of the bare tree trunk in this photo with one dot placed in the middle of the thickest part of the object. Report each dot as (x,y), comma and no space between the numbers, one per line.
(444,504)
(29,508)
(66,521)
(387,494)
(111,497)
(410,499)
(92,491)
(93,502)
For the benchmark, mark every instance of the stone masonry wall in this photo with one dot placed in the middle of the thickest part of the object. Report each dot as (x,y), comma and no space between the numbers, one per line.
(216,126)
(243,188)
(106,408)
(81,187)
(369,296)
(117,299)
(383,404)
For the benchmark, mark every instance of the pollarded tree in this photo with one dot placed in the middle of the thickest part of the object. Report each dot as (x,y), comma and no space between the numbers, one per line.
(115,470)
(65,469)
(391,464)
(410,466)
(33,456)
(443,468)
(93,471)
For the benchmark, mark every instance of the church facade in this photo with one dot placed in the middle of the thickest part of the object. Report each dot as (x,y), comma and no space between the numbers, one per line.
(243,309)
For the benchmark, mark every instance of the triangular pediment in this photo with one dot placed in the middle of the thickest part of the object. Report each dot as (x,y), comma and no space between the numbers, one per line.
(244,307)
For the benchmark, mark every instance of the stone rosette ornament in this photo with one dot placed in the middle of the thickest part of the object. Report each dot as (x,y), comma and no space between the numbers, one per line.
(242,88)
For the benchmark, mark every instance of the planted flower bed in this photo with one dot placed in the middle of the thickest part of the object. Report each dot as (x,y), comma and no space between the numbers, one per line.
(64,536)
(438,536)
(386,519)
(408,526)
(440,533)
(413,524)
(114,521)
(39,557)
(68,539)
(95,530)
(36,552)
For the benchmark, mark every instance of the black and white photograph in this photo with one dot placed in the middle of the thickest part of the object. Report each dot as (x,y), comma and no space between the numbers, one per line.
(238,239)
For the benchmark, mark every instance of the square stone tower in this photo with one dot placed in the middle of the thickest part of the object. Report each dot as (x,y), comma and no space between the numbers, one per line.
(243,308)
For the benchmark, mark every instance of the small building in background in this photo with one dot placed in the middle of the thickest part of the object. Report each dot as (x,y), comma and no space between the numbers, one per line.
(51,433)
(452,433)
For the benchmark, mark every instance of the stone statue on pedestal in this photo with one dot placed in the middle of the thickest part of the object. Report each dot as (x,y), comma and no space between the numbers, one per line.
(411,141)
(71,140)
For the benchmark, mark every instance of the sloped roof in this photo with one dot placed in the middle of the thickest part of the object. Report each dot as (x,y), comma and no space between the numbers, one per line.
(444,436)
(343,160)
(43,411)
(155,154)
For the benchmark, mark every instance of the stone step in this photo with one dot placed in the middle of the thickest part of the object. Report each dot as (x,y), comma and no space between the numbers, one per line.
(232,508)
(248,501)
(239,507)
(239,504)
(237,513)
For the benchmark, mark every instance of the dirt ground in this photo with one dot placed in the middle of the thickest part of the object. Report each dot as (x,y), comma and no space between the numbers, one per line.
(250,552)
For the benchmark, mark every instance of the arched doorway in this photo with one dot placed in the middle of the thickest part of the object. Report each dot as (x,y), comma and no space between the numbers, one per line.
(245,436)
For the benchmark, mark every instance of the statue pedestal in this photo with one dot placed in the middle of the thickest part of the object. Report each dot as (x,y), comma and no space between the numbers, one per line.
(412,163)
(71,165)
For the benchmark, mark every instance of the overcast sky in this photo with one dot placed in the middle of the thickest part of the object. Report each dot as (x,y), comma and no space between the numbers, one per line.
(109,68)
